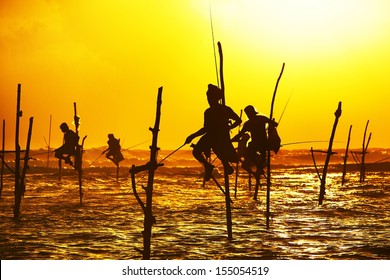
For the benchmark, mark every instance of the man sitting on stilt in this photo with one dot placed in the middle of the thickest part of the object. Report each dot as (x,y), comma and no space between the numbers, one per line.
(255,153)
(114,150)
(215,133)
(69,147)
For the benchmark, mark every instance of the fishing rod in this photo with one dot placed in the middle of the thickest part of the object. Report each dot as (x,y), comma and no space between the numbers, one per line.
(383,159)
(123,150)
(136,145)
(306,142)
(41,153)
(97,158)
(172,153)
(284,109)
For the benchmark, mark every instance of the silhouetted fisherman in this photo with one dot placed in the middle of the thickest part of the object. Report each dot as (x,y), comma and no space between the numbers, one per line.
(256,150)
(69,145)
(215,131)
(114,149)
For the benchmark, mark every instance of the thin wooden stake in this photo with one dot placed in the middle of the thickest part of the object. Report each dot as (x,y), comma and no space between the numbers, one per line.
(117,172)
(328,155)
(26,156)
(364,151)
(59,169)
(78,164)
(238,160)
(257,186)
(2,159)
(346,157)
(48,145)
(18,191)
(228,207)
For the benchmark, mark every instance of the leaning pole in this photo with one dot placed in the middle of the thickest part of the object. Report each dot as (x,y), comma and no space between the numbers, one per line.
(268,212)
(329,153)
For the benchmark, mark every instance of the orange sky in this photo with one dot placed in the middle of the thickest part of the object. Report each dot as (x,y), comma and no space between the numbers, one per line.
(110,57)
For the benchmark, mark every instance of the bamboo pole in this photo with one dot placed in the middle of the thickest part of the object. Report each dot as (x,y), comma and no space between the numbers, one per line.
(346,157)
(17,192)
(328,155)
(268,213)
(2,159)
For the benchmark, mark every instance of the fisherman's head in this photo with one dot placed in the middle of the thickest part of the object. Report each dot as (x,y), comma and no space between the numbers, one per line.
(64,127)
(250,111)
(214,94)
(110,135)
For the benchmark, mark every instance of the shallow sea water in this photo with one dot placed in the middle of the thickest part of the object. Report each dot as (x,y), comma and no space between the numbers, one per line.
(352,223)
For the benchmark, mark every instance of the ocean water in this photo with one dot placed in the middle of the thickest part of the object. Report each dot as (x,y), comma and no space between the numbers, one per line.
(352,223)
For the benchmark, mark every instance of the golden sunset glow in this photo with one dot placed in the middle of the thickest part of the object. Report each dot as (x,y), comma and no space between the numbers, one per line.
(111,57)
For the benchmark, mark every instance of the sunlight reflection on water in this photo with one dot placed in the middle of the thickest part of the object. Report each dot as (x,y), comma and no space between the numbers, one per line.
(191,224)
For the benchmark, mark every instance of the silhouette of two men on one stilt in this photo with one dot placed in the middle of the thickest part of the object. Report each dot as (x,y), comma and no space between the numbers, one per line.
(218,121)
(114,150)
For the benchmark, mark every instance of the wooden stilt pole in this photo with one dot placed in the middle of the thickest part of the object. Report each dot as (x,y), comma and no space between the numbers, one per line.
(26,156)
(346,157)
(268,211)
(328,155)
(48,145)
(151,166)
(228,207)
(18,190)
(249,181)
(227,191)
(149,218)
(2,159)
(117,172)
(59,169)
(364,152)
(256,188)
(238,161)
(78,164)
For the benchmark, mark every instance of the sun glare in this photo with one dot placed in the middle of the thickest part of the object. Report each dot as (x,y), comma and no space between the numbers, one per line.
(302,26)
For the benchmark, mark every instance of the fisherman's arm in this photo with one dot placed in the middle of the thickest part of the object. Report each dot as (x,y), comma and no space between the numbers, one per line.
(236,120)
(241,133)
(194,135)
(271,122)
(238,136)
